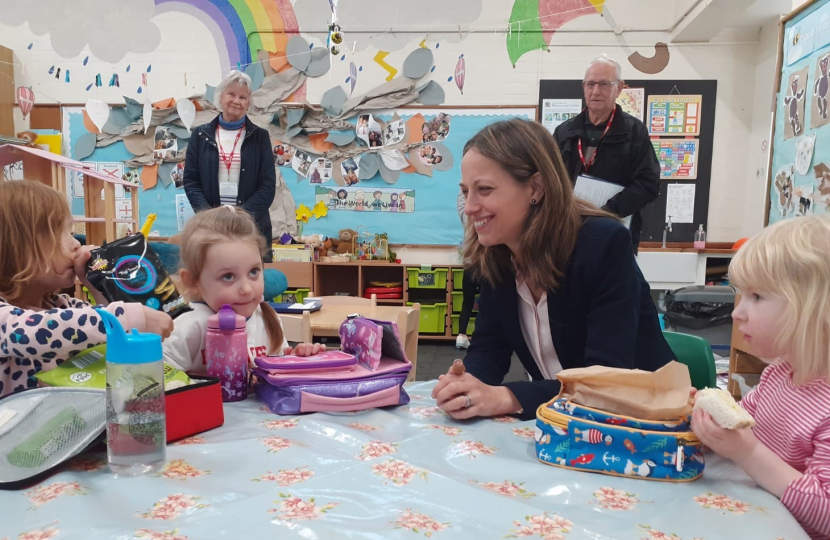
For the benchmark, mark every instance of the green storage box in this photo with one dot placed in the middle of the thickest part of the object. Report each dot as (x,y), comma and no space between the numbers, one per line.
(471,326)
(428,279)
(458,300)
(433,318)
(457,278)
(291,296)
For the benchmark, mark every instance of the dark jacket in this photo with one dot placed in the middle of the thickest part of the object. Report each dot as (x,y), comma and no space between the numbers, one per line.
(600,314)
(257,176)
(625,156)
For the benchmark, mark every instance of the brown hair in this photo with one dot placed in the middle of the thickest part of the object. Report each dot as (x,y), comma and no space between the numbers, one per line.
(224,224)
(523,148)
(32,221)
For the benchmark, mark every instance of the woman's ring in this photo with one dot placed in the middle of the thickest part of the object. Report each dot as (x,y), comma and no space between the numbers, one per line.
(468,403)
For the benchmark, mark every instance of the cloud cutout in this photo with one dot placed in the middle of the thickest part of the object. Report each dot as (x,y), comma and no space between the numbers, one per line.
(313,16)
(111,29)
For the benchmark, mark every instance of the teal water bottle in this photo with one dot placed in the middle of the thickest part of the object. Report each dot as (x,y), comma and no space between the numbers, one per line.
(136,431)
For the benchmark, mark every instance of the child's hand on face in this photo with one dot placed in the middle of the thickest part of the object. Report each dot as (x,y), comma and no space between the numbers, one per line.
(305,349)
(157,322)
(82,256)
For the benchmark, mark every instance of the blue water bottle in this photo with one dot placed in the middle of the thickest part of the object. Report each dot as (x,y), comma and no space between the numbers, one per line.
(136,430)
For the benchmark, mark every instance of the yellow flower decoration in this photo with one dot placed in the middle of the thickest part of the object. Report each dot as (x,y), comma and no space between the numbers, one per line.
(303,213)
(320,210)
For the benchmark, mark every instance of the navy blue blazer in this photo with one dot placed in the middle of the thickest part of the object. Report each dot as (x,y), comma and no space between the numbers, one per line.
(600,314)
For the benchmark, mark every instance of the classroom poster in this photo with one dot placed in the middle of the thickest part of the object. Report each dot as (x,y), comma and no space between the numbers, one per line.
(807,35)
(557,111)
(819,115)
(632,101)
(367,199)
(680,203)
(677,158)
(674,115)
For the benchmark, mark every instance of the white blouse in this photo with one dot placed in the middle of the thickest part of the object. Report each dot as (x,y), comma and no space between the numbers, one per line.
(535,323)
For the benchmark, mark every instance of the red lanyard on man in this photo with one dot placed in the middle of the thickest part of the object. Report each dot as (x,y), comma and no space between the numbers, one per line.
(227,159)
(596,151)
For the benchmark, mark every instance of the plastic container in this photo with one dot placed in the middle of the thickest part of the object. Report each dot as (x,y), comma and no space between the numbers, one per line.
(427,279)
(433,318)
(291,296)
(136,432)
(471,326)
(458,302)
(226,353)
(457,278)
(702,310)
(700,238)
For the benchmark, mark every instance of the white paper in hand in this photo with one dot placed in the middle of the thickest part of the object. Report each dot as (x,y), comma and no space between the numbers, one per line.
(597,191)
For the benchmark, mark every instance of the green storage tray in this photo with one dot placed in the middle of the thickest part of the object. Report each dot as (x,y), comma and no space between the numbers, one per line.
(298,294)
(458,300)
(471,326)
(427,279)
(457,278)
(433,318)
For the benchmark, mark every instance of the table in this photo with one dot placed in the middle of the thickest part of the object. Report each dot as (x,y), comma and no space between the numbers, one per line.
(402,473)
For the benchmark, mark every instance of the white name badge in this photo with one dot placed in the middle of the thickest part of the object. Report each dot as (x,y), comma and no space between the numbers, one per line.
(228,189)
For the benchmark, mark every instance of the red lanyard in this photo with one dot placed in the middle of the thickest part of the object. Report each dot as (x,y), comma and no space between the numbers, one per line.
(594,156)
(227,160)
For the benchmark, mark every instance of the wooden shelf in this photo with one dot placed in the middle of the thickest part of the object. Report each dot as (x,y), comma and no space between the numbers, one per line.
(88,219)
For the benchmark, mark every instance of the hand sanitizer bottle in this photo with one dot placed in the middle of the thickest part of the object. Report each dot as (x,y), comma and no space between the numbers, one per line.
(700,238)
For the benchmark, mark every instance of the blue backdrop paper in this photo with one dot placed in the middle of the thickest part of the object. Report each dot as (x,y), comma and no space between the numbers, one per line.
(435,221)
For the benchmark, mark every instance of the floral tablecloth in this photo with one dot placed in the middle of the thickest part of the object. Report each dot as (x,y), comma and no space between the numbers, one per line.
(407,472)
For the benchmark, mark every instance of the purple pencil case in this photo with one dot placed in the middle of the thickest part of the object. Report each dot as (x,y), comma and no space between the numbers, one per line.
(369,372)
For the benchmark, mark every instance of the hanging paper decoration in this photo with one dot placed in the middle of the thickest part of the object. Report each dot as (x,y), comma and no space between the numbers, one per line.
(460,68)
(98,111)
(114,80)
(335,38)
(144,79)
(98,80)
(187,112)
(352,77)
(25,99)
(147,115)
(320,210)
(58,74)
(66,78)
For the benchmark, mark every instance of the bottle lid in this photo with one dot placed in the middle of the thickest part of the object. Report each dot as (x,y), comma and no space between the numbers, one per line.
(226,320)
(129,348)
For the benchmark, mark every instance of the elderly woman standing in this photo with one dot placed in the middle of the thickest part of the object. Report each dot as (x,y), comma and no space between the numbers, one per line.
(229,160)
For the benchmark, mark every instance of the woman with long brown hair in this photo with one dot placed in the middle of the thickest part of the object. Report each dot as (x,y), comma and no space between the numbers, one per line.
(559,283)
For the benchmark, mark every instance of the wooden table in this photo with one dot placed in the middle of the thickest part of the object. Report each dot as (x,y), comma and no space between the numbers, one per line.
(326,322)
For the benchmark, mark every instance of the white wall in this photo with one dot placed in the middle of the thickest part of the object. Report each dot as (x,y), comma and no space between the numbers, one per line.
(742,61)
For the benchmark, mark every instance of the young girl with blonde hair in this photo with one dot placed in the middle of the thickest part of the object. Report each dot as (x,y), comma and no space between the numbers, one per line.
(221,263)
(39,256)
(784,313)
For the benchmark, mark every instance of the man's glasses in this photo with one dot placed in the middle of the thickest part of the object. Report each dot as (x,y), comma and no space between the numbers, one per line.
(604,85)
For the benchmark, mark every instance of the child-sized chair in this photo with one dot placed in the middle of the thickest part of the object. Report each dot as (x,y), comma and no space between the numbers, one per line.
(696,353)
(297,328)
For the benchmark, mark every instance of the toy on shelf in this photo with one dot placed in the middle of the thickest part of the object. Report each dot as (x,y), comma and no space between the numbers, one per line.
(369,246)
(100,216)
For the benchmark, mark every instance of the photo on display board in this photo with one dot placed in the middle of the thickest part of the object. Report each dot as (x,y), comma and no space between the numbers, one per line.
(429,155)
(177,175)
(166,143)
(819,115)
(437,129)
(283,153)
(394,132)
(369,130)
(803,197)
(301,163)
(320,171)
(822,192)
(349,168)
(784,190)
(794,104)
(804,153)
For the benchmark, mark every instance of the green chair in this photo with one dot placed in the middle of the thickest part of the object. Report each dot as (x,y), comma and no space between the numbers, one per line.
(694,352)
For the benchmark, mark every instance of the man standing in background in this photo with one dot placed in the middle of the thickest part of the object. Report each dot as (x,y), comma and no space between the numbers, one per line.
(606,143)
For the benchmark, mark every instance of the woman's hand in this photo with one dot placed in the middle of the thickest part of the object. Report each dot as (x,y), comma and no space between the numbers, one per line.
(157,322)
(734,444)
(462,396)
(305,349)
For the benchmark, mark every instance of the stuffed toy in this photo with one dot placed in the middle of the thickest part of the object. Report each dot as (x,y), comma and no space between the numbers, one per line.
(344,244)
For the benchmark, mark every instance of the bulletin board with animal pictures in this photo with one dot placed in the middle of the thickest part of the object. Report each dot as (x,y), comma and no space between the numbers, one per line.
(418,204)
(680,117)
(799,175)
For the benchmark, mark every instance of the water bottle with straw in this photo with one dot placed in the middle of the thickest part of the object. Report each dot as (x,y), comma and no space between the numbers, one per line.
(136,432)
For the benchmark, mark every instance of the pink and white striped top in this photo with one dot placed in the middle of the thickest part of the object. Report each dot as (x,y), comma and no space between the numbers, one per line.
(794,422)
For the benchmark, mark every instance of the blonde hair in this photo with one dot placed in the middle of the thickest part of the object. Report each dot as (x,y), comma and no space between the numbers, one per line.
(790,259)
(224,224)
(524,148)
(33,218)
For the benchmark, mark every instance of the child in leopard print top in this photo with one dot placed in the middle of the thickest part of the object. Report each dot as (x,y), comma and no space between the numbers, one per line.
(39,256)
